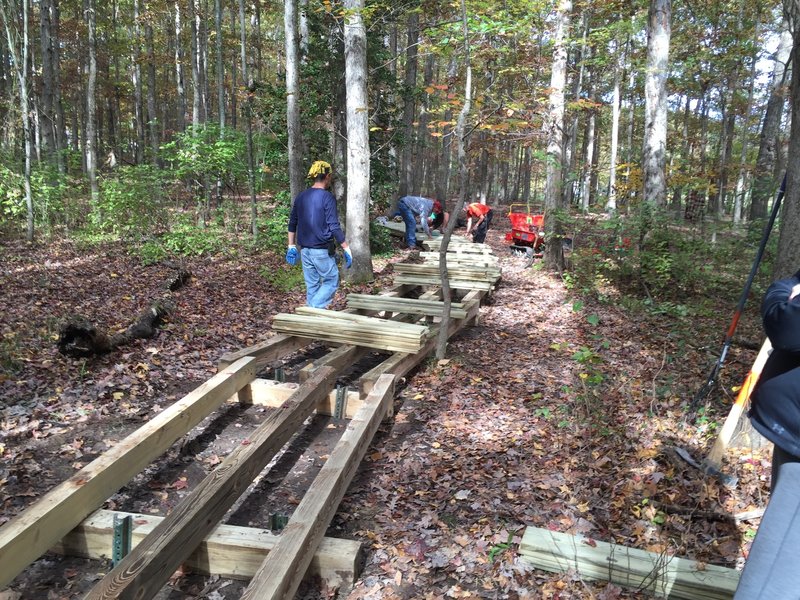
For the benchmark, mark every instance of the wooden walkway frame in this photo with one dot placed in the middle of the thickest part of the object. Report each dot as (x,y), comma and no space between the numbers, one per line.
(228,551)
(143,572)
(32,533)
(283,569)
(662,575)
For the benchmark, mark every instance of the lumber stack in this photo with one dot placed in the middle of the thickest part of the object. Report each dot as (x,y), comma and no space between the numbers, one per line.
(430,308)
(458,244)
(461,278)
(455,259)
(660,574)
(348,328)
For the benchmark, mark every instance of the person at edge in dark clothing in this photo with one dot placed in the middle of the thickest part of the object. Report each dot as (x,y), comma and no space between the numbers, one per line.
(770,572)
(314,226)
(481,214)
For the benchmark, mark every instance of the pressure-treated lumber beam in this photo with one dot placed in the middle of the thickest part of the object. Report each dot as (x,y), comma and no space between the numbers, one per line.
(339,358)
(271,349)
(228,551)
(411,306)
(266,392)
(282,570)
(662,575)
(143,572)
(30,534)
(456,284)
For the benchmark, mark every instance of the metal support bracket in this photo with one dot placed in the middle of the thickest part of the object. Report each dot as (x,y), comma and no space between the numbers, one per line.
(341,402)
(280,374)
(123,535)
(277,521)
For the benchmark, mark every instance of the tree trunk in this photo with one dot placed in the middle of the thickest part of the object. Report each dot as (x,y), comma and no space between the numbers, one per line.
(355,60)
(789,242)
(611,201)
(180,83)
(136,74)
(293,99)
(738,199)
(152,115)
(654,152)
(571,137)
(554,134)
(20,56)
(91,107)
(251,179)
(463,177)
(406,175)
(764,181)
(47,102)
(197,86)
(220,64)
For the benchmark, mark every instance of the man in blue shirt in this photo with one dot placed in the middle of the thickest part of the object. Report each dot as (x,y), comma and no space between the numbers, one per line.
(314,226)
(411,207)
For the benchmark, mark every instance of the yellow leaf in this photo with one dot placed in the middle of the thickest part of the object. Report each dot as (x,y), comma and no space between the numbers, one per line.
(436,445)
(118,395)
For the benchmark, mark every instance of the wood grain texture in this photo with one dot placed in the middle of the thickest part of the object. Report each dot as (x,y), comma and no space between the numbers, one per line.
(275,347)
(143,572)
(32,533)
(228,551)
(661,575)
(281,573)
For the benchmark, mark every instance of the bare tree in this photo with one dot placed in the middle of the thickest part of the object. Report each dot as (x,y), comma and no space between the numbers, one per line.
(355,60)
(91,104)
(654,152)
(19,48)
(554,133)
(293,98)
(248,81)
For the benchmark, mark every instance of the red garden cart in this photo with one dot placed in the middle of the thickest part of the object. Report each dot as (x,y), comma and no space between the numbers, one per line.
(527,230)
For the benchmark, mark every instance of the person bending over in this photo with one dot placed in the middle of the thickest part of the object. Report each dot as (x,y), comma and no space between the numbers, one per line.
(479,217)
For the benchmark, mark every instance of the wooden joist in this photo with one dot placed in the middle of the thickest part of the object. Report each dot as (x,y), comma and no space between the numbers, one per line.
(490,274)
(266,392)
(662,575)
(434,280)
(265,352)
(432,308)
(462,259)
(282,570)
(228,551)
(143,572)
(349,328)
(36,530)
(458,244)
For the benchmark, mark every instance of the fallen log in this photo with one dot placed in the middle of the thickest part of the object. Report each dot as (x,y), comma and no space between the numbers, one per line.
(78,337)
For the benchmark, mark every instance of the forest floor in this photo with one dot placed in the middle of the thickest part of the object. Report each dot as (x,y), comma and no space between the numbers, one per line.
(553,412)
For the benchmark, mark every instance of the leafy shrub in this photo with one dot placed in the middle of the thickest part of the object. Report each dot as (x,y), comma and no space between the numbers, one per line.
(131,202)
(273,223)
(380,240)
(187,239)
(284,278)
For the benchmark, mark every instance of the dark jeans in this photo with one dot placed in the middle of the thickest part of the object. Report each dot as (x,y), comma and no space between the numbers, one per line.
(479,235)
(411,224)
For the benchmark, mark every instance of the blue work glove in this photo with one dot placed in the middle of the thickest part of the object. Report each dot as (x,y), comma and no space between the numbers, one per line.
(348,258)
(291,255)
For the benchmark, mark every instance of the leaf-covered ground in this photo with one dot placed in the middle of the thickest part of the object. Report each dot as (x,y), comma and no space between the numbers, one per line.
(552,412)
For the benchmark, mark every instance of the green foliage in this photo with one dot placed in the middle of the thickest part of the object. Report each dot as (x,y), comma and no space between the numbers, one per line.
(284,278)
(380,240)
(12,194)
(131,203)
(187,239)
(273,224)
(203,154)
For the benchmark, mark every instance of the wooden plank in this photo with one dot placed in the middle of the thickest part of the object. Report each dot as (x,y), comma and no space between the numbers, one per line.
(271,349)
(32,533)
(459,284)
(143,572)
(413,306)
(659,574)
(341,357)
(266,392)
(228,551)
(460,272)
(280,574)
(401,363)
(399,229)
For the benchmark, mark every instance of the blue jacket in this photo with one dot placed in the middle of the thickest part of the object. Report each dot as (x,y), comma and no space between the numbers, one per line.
(314,219)
(775,410)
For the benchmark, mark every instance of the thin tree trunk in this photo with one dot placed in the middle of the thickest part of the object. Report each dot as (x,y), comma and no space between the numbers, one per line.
(409,106)
(47,104)
(611,202)
(294,132)
(251,180)
(152,115)
(220,65)
(180,83)
(738,199)
(21,60)
(91,107)
(197,86)
(138,107)
(463,176)
(764,181)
